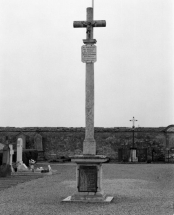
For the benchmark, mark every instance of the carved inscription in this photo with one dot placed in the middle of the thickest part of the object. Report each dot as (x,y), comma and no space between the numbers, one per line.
(89,53)
(87,179)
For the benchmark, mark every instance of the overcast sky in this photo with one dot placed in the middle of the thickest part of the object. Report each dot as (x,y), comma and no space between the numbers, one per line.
(42,78)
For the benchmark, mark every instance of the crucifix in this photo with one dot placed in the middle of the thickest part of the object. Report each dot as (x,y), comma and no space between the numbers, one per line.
(89,164)
(89,144)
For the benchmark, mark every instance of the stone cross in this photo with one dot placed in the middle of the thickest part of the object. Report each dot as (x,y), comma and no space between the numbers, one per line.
(11,153)
(133,150)
(19,150)
(89,144)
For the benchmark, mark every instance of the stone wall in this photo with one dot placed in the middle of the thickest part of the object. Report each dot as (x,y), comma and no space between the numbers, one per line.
(69,141)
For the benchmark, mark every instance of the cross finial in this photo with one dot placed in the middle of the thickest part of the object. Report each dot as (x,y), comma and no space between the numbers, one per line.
(133,121)
(89,24)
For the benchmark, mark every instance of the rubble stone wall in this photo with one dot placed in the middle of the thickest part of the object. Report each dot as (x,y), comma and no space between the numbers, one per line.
(69,141)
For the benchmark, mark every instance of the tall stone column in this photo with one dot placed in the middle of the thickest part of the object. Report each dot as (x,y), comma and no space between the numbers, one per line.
(89,144)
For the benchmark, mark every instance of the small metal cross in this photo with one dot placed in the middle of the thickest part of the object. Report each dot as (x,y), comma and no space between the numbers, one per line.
(133,121)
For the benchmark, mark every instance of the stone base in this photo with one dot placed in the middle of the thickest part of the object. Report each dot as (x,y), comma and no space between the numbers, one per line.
(92,198)
(89,179)
(133,157)
(95,159)
(29,173)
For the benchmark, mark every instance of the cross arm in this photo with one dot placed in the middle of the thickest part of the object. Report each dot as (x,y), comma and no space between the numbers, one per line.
(84,24)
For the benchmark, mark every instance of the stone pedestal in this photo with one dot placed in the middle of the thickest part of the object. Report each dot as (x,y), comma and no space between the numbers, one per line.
(133,155)
(89,179)
(19,150)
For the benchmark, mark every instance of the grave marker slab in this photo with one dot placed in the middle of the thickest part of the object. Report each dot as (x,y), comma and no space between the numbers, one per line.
(23,137)
(5,168)
(11,153)
(6,155)
(87,179)
(19,150)
(38,142)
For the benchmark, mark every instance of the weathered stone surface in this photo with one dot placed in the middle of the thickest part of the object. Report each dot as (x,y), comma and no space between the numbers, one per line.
(38,142)
(5,170)
(23,137)
(69,141)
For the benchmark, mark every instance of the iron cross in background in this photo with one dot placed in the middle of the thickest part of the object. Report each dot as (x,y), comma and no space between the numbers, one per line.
(133,121)
(133,126)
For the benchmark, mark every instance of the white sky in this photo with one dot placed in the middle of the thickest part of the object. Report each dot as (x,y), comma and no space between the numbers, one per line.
(42,78)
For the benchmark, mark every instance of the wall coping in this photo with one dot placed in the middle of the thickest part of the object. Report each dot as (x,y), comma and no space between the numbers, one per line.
(82,129)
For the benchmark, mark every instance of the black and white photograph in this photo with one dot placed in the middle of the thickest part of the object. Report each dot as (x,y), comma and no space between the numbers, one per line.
(87,107)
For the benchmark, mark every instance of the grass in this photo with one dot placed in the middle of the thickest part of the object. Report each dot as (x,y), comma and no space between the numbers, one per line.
(138,189)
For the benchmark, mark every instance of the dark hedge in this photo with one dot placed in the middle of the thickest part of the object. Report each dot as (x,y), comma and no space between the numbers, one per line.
(27,154)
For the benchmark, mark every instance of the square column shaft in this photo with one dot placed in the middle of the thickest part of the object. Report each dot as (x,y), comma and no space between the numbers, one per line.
(89,144)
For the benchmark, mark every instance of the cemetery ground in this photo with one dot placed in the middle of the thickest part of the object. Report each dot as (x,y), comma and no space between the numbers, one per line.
(138,189)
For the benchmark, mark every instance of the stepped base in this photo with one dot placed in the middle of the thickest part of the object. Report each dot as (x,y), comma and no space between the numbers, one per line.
(30,173)
(88,198)
(89,179)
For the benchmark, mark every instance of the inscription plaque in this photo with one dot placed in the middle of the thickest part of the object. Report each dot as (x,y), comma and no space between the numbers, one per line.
(87,179)
(89,53)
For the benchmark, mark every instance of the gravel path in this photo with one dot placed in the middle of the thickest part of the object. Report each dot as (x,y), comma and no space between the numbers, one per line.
(138,189)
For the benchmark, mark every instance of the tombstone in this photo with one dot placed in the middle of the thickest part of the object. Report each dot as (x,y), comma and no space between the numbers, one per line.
(11,156)
(19,150)
(6,155)
(23,137)
(5,168)
(133,155)
(20,165)
(38,142)
(39,146)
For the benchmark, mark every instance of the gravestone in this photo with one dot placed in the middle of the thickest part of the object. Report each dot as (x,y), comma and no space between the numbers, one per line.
(6,155)
(23,137)
(133,155)
(39,146)
(19,150)
(20,165)
(5,168)
(11,156)
(38,142)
